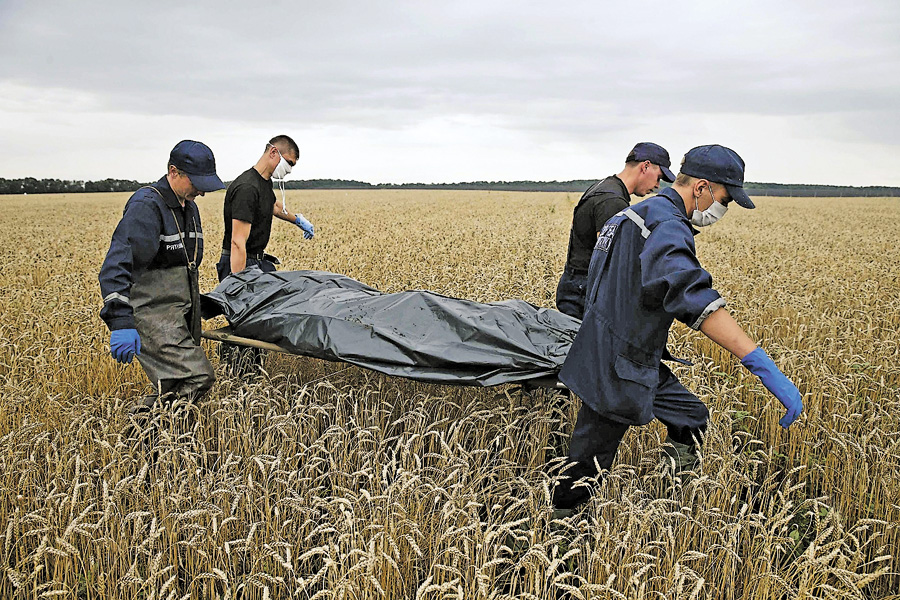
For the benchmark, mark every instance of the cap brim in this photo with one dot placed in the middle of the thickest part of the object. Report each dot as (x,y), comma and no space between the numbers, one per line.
(667,174)
(206,183)
(740,196)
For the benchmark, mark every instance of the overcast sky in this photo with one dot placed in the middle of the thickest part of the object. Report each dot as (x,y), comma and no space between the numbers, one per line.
(805,92)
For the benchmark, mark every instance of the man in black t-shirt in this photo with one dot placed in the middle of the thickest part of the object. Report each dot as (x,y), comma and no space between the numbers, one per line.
(645,165)
(250,204)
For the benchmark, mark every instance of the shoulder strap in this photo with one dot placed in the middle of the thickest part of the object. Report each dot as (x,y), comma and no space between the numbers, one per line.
(191,264)
(150,187)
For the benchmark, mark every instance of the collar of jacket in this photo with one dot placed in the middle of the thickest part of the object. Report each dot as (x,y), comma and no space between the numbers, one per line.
(675,198)
(168,195)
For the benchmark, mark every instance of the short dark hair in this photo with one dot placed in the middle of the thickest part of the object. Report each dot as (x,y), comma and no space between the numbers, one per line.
(284,142)
(683,179)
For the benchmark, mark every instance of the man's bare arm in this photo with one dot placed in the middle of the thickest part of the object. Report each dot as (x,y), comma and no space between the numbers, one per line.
(721,328)
(240,231)
(284,215)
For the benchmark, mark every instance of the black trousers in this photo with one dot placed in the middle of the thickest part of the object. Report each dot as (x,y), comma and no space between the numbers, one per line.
(241,361)
(570,293)
(595,436)
(223,267)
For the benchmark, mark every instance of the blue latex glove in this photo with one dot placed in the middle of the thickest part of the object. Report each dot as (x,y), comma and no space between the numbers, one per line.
(306,226)
(124,344)
(759,363)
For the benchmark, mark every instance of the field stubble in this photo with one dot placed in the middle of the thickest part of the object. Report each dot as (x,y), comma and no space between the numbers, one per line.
(322,481)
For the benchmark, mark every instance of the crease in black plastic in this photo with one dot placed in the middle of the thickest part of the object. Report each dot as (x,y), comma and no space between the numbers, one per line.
(416,334)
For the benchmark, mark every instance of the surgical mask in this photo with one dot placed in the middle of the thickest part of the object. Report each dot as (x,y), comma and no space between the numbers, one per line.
(704,218)
(282,170)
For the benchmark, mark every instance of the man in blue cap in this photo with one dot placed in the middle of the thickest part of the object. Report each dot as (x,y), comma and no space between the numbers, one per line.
(645,165)
(149,282)
(644,274)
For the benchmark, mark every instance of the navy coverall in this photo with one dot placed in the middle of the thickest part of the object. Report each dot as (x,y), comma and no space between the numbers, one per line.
(145,286)
(644,273)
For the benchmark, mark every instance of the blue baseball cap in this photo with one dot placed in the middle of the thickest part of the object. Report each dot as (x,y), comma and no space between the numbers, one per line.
(654,153)
(720,165)
(198,162)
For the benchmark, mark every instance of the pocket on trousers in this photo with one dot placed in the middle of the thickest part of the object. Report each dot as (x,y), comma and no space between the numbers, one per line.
(633,371)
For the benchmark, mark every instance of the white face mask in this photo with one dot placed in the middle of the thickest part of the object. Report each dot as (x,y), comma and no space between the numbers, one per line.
(282,170)
(704,218)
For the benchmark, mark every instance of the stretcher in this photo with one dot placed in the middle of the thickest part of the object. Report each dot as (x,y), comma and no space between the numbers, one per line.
(416,334)
(225,335)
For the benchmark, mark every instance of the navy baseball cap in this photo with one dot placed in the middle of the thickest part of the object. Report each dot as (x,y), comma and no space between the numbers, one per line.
(654,153)
(198,162)
(721,165)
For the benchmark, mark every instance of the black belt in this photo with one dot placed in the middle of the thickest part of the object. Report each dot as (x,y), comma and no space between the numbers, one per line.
(253,255)
(575,272)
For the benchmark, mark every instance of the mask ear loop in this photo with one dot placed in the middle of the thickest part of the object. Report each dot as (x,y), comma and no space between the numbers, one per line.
(280,182)
(697,198)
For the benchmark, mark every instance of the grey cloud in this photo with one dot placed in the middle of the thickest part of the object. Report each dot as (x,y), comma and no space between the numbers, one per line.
(577,69)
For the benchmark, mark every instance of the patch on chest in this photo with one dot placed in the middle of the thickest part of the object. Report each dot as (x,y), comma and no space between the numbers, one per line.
(604,240)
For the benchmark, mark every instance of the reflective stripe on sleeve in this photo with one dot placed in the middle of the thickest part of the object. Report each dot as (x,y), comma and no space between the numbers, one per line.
(176,237)
(117,296)
(638,221)
(710,309)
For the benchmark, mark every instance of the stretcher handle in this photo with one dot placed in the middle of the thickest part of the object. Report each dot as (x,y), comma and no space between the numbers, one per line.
(223,334)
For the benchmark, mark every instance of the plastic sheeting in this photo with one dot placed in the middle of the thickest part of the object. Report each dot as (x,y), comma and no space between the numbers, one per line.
(416,334)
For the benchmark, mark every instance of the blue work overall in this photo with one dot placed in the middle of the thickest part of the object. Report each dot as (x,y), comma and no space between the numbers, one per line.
(644,273)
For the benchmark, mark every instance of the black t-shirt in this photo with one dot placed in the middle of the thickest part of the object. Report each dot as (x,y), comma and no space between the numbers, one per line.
(250,198)
(597,205)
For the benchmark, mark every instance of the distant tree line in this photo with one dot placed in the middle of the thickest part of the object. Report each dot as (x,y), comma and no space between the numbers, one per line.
(513,186)
(30,185)
(579,185)
(812,190)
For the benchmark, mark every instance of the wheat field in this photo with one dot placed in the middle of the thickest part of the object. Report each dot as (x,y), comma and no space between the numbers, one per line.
(315,480)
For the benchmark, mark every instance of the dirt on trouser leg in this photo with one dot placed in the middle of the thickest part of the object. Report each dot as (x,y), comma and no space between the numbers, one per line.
(172,361)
